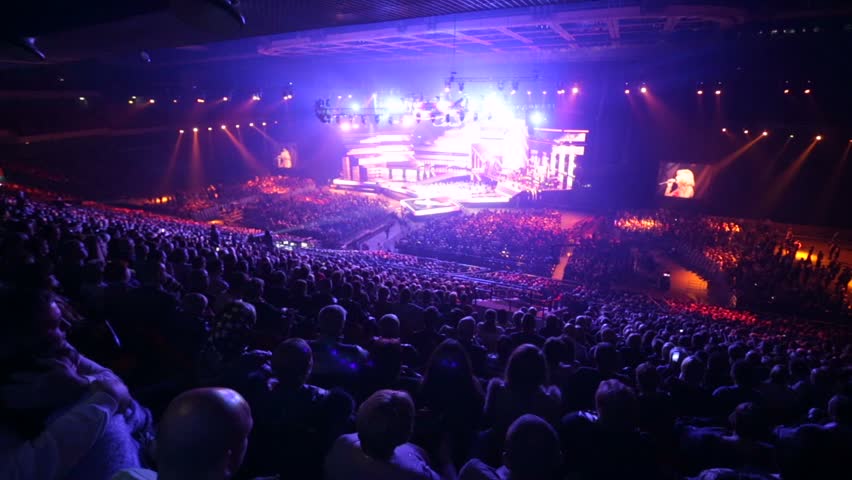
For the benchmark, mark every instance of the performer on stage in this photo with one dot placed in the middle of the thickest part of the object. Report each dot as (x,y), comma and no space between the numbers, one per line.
(682,186)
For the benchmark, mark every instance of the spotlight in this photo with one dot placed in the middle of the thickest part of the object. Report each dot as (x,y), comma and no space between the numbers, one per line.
(209,129)
(263,124)
(151,100)
(345,126)
(544,92)
(355,107)
(786,91)
(82,99)
(512,92)
(627,91)
(792,136)
(195,129)
(199,100)
(133,97)
(180,131)
(174,100)
(349,96)
(536,118)
(644,89)
(223,127)
(529,92)
(446,90)
(807,91)
(340,97)
(224,99)
(575,90)
(765,133)
(724,130)
(237,125)
(818,138)
(745,131)
(251,124)
(700,92)
(256,97)
(718,92)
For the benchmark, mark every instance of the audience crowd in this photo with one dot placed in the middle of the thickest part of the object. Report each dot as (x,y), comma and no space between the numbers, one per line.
(528,240)
(762,262)
(135,347)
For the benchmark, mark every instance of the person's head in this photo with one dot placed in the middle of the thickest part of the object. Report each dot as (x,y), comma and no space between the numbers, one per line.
(840,410)
(203,434)
(292,362)
(692,370)
(606,357)
(490,316)
(389,326)
(749,421)
(31,318)
(778,375)
(199,281)
(556,351)
(531,450)
(528,323)
(448,369)
(741,374)
(331,320)
(254,289)
(647,378)
(616,405)
(527,369)
(466,328)
(194,304)
(384,421)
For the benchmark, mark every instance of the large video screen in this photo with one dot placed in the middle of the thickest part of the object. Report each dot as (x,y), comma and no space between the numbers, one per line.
(477,154)
(683,180)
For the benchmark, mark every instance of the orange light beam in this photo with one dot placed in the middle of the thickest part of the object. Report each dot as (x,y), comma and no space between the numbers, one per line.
(787,177)
(266,136)
(728,160)
(828,192)
(165,183)
(196,172)
(250,159)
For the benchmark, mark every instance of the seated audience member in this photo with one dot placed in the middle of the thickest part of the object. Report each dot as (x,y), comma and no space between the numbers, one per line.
(656,415)
(527,333)
(203,435)
(531,452)
(489,331)
(331,356)
(380,449)
(466,336)
(552,327)
(689,397)
(450,400)
(584,382)
(608,445)
(742,391)
(744,448)
(47,387)
(294,422)
(522,390)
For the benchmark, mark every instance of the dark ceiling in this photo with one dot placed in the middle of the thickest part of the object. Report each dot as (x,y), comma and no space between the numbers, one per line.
(68,31)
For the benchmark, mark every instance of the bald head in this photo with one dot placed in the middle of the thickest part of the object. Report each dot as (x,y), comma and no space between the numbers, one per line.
(203,431)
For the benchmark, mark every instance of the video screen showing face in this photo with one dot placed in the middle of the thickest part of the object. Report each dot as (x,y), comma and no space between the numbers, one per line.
(683,180)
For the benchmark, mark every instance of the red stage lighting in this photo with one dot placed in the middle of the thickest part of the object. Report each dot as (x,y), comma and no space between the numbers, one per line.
(644,89)
(195,129)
